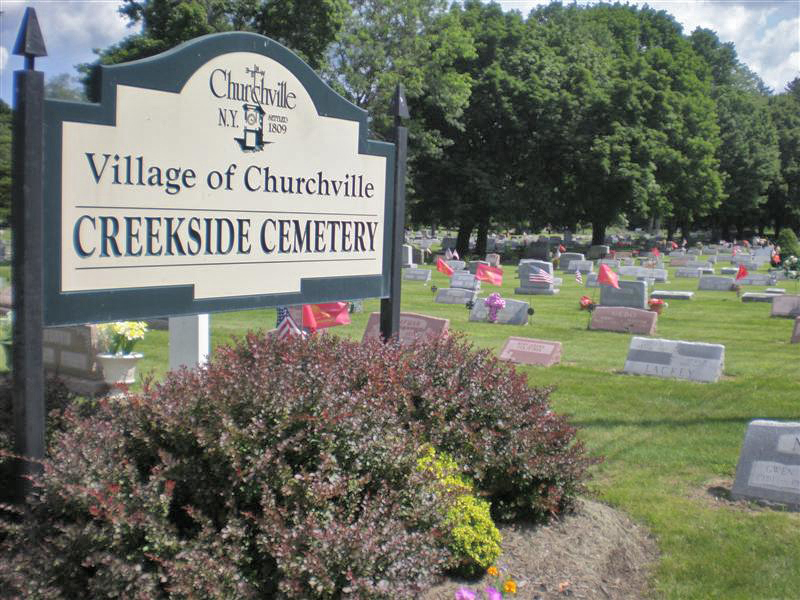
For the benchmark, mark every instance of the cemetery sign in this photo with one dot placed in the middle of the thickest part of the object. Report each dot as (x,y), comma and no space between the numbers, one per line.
(222,175)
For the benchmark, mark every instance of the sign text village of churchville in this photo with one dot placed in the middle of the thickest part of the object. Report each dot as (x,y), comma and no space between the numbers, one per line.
(234,185)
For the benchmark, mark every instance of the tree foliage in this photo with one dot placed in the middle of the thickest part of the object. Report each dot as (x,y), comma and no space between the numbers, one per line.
(5,159)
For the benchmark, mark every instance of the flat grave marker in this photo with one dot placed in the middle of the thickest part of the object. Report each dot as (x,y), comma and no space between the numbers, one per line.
(455,296)
(411,274)
(675,359)
(528,351)
(624,320)
(716,283)
(671,295)
(584,266)
(466,281)
(413,327)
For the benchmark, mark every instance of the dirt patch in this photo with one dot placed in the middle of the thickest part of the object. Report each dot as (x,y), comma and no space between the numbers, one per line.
(596,552)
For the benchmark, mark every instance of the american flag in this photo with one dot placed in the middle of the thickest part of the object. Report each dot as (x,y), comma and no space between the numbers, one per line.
(288,328)
(283,312)
(579,277)
(540,276)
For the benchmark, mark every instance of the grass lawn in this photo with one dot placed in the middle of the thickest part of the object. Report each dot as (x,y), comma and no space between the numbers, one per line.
(664,441)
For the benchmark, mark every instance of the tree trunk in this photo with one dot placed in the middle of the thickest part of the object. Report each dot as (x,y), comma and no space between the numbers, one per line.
(685,232)
(670,229)
(483,233)
(725,231)
(462,241)
(778,224)
(598,233)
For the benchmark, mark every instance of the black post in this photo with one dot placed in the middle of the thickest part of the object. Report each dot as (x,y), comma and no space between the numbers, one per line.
(390,307)
(27,279)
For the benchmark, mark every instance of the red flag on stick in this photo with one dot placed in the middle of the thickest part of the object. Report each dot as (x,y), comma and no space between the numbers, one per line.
(320,316)
(607,276)
(655,252)
(741,273)
(443,267)
(493,275)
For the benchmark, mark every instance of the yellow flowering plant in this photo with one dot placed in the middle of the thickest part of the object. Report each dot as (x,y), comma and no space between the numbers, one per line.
(121,337)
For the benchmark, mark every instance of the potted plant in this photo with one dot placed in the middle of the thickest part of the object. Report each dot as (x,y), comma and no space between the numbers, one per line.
(656,305)
(119,363)
(586,303)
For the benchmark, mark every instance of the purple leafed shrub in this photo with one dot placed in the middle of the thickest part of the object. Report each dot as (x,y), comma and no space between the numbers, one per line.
(284,469)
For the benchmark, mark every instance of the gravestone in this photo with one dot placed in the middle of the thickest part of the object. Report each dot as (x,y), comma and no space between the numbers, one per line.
(596,252)
(756,279)
(448,242)
(514,313)
(693,361)
(624,320)
(528,287)
(630,293)
(539,250)
(566,257)
(796,331)
(769,463)
(423,275)
(711,259)
(465,281)
(612,263)
(687,272)
(694,252)
(456,265)
(493,260)
(71,353)
(777,291)
(729,270)
(413,327)
(527,351)
(408,256)
(696,264)
(591,280)
(672,295)
(584,266)
(659,275)
(455,296)
(472,267)
(787,305)
(757,297)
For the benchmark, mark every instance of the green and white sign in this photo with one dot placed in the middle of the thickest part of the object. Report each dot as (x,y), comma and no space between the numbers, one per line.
(221,175)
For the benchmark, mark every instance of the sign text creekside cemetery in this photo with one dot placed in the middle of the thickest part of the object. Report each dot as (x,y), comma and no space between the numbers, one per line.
(221,175)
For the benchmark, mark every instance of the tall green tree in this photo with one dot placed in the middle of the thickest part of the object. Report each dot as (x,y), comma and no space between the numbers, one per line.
(6,118)
(417,43)
(783,204)
(307,27)
(748,152)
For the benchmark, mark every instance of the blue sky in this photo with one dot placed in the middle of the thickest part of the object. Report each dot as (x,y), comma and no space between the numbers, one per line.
(766,33)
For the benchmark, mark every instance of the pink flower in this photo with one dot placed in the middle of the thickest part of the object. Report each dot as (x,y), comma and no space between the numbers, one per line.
(493,594)
(465,594)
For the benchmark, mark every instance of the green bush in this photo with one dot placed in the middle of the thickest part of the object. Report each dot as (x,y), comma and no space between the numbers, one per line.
(473,538)
(787,240)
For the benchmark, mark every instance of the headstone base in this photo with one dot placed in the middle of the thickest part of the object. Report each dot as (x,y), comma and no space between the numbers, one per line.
(536,291)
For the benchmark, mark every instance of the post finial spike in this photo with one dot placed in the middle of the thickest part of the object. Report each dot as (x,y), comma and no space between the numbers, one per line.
(399,104)
(30,42)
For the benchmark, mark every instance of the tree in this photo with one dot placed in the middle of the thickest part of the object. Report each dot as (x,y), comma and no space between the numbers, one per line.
(64,87)
(417,43)
(305,26)
(474,181)
(783,204)
(6,117)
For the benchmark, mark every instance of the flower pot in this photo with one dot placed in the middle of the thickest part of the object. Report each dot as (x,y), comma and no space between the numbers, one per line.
(119,368)
(657,308)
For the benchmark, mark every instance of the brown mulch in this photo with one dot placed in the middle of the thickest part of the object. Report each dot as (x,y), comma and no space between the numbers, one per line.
(595,552)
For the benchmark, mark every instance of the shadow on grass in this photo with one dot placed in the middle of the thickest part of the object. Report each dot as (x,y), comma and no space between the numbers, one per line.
(608,423)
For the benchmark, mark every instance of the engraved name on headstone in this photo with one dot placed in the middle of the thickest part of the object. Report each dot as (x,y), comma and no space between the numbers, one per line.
(694,361)
(413,327)
(528,351)
(624,319)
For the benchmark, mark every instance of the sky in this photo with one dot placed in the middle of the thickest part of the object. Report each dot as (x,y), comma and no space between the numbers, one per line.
(766,33)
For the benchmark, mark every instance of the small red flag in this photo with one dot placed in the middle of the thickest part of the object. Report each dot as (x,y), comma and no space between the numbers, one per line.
(320,316)
(493,275)
(776,259)
(606,275)
(655,252)
(561,248)
(741,273)
(443,267)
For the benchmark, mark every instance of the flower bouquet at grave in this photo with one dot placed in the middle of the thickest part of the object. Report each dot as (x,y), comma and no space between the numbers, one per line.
(791,268)
(586,303)
(495,303)
(122,336)
(657,305)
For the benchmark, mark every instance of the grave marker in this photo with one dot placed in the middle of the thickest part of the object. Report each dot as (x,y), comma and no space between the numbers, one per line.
(413,327)
(623,319)
(465,281)
(514,313)
(769,463)
(796,331)
(584,266)
(671,295)
(455,296)
(716,283)
(528,351)
(786,305)
(423,275)
(632,294)
(693,361)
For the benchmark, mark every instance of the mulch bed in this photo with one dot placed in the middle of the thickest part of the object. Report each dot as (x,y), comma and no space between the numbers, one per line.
(595,552)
